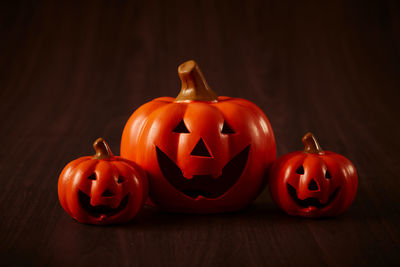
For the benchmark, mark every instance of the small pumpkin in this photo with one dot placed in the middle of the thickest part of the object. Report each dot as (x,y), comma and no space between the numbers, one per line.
(313,182)
(203,153)
(102,189)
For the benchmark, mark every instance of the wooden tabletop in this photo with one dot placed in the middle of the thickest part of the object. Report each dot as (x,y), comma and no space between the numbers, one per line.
(73,72)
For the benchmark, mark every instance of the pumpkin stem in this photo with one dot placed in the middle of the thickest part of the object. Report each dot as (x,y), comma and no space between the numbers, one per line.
(311,144)
(102,149)
(194,85)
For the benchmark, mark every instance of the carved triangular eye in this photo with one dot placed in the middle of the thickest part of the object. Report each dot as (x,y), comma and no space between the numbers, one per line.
(300,170)
(181,128)
(120,179)
(226,129)
(328,175)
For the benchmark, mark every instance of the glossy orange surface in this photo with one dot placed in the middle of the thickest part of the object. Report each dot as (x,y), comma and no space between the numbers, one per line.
(102,191)
(152,126)
(313,185)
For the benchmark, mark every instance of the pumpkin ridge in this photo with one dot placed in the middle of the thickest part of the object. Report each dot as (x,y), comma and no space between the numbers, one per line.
(149,121)
(125,165)
(254,108)
(300,158)
(92,165)
(69,169)
(179,139)
(114,167)
(145,123)
(82,164)
(74,164)
(132,169)
(222,105)
(144,111)
(76,176)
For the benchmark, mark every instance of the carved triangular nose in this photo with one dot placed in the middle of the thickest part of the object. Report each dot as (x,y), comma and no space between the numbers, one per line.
(107,193)
(313,186)
(200,149)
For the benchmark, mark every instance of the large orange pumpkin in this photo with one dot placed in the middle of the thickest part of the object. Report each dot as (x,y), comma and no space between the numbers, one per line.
(202,153)
(102,189)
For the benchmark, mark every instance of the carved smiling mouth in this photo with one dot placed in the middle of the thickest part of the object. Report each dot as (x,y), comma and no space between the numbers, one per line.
(97,211)
(311,201)
(203,185)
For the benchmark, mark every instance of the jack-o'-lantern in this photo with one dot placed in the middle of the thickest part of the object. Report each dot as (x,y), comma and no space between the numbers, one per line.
(202,153)
(102,189)
(313,182)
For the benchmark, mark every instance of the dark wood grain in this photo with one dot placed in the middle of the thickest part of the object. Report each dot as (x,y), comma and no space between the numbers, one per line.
(71,72)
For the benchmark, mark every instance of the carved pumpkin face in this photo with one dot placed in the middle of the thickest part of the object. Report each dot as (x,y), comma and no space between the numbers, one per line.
(313,183)
(102,189)
(203,155)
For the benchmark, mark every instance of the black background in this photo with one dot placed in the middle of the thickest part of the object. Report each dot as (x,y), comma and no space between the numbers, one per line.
(71,72)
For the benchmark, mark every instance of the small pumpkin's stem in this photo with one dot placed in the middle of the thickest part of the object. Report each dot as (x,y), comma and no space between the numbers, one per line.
(194,85)
(311,144)
(102,149)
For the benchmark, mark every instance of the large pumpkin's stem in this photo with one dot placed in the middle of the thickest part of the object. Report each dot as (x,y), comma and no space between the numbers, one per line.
(194,85)
(311,144)
(103,151)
